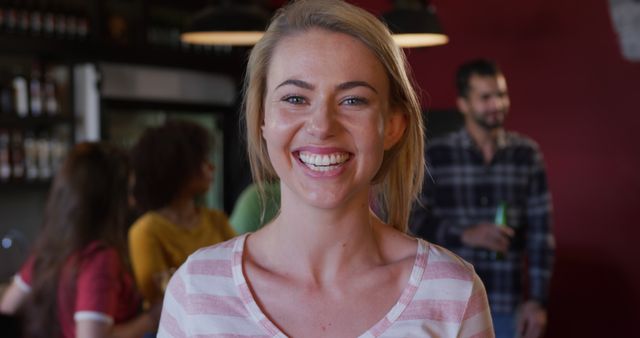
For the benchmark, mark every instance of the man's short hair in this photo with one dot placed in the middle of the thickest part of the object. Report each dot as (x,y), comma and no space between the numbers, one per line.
(481,67)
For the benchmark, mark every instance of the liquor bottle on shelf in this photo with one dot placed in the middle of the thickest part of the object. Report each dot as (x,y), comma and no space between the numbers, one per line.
(50,98)
(58,150)
(72,23)
(43,152)
(5,151)
(20,96)
(11,17)
(35,90)
(36,20)
(48,20)
(30,156)
(17,155)
(24,18)
(83,26)
(6,94)
(60,21)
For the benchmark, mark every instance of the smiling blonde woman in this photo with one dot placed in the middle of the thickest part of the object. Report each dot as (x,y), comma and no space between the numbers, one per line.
(330,111)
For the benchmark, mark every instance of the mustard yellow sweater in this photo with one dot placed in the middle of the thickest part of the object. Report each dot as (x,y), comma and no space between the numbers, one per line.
(158,247)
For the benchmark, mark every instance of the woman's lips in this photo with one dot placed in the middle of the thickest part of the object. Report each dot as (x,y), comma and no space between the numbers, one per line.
(322,161)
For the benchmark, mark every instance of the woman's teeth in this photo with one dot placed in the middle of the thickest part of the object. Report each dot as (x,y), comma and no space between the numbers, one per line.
(323,162)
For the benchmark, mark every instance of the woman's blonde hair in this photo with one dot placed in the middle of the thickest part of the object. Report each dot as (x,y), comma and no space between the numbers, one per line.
(399,179)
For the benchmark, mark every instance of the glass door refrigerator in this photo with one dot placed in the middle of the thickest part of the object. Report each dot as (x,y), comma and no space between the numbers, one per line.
(122,100)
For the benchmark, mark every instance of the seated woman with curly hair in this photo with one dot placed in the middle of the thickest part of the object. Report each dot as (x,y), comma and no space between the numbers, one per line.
(172,169)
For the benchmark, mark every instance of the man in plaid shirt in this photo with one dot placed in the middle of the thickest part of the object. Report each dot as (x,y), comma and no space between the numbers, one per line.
(470,173)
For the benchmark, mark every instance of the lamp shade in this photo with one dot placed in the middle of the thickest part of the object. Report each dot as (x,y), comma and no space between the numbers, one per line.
(233,25)
(415,27)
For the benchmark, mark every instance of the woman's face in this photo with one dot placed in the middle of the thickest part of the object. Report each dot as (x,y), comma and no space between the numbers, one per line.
(327,119)
(199,183)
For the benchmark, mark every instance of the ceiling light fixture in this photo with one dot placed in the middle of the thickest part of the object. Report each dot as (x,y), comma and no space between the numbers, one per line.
(414,24)
(231,23)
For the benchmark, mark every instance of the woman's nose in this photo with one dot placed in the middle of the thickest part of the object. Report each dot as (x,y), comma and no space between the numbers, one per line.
(321,121)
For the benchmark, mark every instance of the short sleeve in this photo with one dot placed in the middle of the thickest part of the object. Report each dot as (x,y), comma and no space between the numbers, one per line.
(24,277)
(98,286)
(477,315)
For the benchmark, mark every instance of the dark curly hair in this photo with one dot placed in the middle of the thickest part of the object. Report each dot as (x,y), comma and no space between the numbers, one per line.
(164,158)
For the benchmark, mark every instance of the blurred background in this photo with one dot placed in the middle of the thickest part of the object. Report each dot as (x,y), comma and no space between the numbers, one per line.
(73,70)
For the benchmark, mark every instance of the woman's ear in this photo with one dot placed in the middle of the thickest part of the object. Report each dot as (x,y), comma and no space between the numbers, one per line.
(394,128)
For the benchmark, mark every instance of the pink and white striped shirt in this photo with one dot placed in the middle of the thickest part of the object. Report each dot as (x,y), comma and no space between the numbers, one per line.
(209,297)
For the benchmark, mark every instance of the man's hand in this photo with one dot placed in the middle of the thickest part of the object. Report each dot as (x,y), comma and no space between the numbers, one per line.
(532,321)
(488,236)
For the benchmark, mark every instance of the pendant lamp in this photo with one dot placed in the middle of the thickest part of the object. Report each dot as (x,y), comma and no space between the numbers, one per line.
(414,23)
(232,23)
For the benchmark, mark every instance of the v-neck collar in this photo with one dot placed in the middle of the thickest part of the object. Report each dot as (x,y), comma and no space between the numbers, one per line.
(376,330)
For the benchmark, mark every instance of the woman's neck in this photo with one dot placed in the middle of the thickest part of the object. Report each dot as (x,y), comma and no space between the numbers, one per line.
(322,244)
(181,211)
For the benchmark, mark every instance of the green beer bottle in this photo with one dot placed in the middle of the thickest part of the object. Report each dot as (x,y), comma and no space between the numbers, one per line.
(501,221)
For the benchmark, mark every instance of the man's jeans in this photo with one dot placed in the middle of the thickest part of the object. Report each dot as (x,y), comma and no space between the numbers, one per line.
(504,325)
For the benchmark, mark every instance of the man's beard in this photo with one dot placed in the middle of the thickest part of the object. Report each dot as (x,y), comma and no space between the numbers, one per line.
(488,125)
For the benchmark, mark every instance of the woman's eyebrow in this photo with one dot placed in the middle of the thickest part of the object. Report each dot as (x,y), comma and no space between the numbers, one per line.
(353,84)
(342,86)
(297,83)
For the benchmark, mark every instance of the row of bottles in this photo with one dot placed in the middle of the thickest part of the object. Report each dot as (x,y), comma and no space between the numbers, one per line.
(69,20)
(33,94)
(30,156)
(46,18)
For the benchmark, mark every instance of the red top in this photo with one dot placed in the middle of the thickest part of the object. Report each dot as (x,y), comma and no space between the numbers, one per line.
(103,289)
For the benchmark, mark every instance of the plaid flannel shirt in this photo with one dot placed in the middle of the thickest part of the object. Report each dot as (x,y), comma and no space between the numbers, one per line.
(461,191)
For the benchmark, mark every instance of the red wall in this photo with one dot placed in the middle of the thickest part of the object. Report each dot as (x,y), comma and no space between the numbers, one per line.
(573,92)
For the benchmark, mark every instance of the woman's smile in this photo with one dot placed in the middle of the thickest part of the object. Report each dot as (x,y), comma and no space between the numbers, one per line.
(319,162)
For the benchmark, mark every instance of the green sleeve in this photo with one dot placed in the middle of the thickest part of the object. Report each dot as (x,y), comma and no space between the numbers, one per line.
(246,213)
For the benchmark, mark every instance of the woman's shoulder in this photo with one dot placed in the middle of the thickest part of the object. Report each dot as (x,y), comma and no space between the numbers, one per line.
(219,253)
(444,264)
(100,250)
(98,247)
(215,261)
(99,258)
(215,215)
(449,296)
(147,222)
(446,278)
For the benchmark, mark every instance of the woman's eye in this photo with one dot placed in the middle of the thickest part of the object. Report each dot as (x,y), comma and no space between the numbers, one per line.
(293,99)
(354,101)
